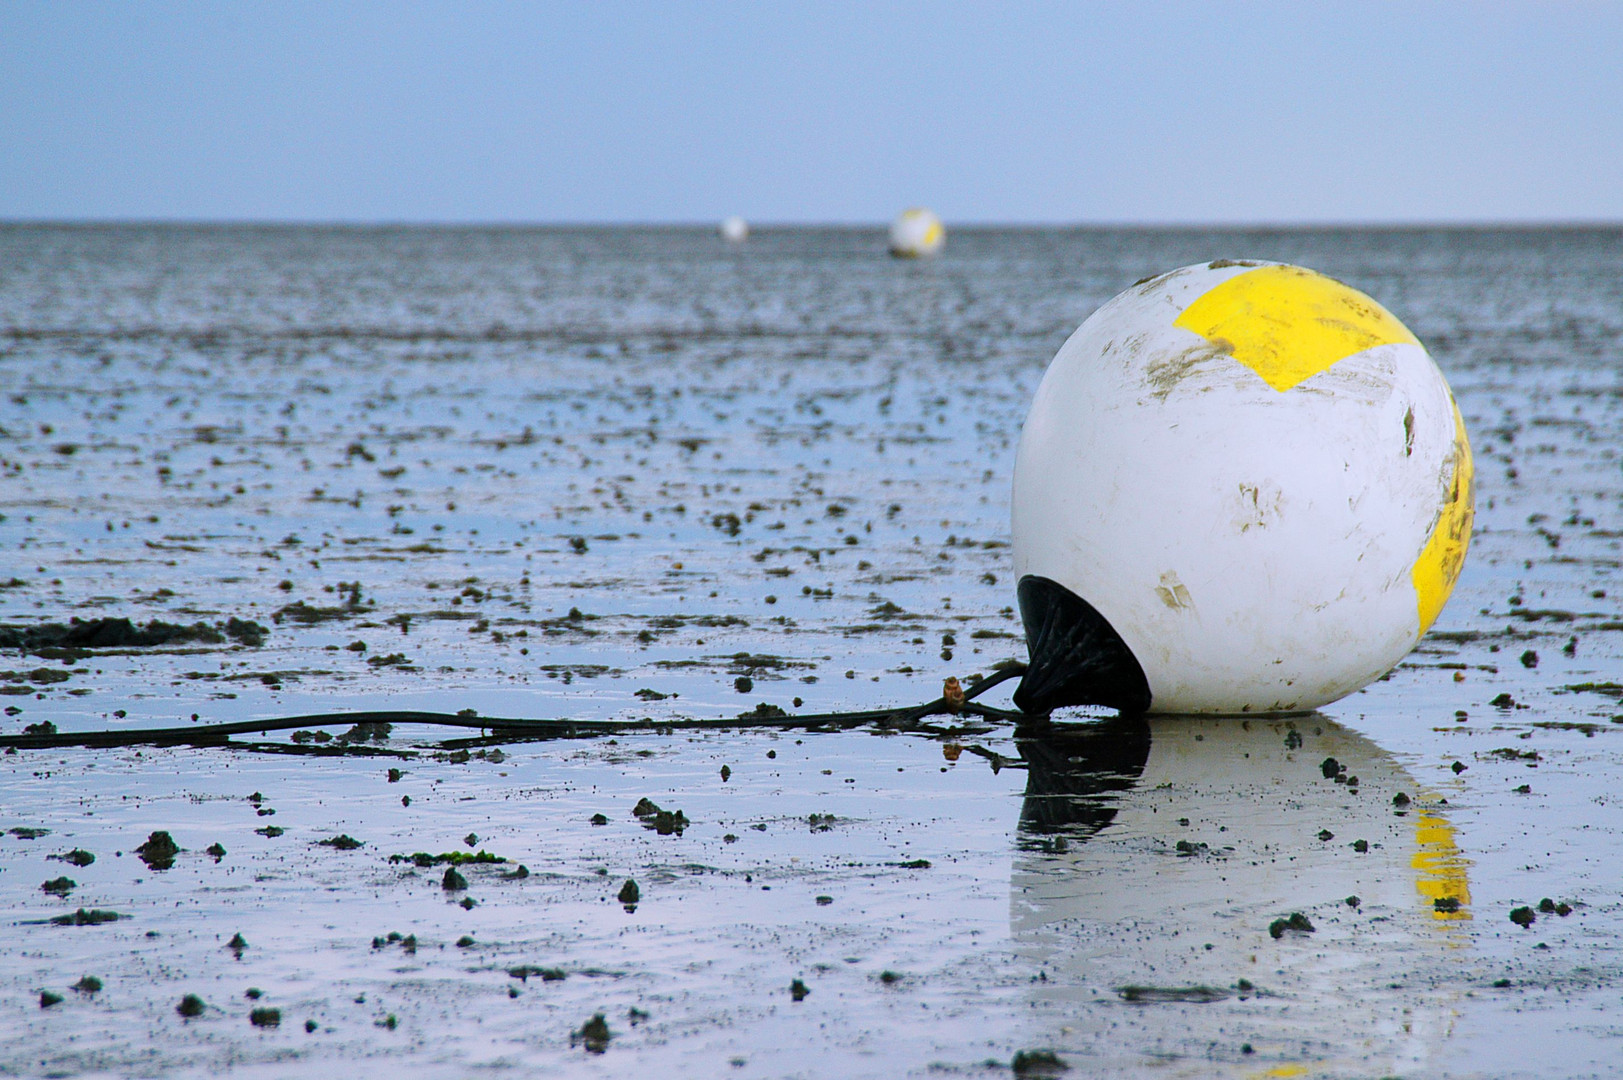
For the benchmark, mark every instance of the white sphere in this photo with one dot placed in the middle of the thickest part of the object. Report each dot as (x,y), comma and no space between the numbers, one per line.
(916,231)
(735,230)
(1242,487)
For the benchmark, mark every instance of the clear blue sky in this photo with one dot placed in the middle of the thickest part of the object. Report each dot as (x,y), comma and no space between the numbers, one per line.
(826,112)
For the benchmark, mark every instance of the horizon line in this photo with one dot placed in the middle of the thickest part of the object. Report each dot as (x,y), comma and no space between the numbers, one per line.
(1416,224)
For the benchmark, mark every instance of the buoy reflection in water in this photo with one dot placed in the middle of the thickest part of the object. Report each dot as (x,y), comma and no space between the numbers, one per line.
(1161,861)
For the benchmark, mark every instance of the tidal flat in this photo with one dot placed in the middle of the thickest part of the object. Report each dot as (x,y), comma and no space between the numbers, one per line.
(248,473)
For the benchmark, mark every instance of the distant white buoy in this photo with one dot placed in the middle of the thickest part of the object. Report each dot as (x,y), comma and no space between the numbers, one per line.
(916,231)
(1242,487)
(735,230)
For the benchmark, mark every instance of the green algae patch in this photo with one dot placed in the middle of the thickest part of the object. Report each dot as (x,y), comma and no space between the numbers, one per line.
(342,842)
(159,851)
(1297,923)
(664,822)
(423,860)
(91,917)
(1037,1063)
(594,1035)
(524,972)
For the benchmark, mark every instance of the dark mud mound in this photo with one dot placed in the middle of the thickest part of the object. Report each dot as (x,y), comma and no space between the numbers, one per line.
(124,634)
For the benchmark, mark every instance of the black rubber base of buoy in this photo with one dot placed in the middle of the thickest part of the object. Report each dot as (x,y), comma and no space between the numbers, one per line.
(1077,658)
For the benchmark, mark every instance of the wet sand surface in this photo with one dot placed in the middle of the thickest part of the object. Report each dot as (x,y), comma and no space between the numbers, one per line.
(619,474)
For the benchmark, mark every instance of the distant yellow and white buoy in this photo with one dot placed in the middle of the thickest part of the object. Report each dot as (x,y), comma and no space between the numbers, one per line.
(916,231)
(1242,487)
(735,230)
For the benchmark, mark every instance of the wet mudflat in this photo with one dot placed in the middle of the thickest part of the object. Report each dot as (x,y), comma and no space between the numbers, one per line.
(593,474)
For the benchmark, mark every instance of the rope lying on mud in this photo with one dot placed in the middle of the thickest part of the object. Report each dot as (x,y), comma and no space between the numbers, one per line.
(514,729)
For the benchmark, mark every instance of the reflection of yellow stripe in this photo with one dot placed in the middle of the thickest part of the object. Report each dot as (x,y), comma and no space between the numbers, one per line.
(1288,324)
(1441,866)
(1438,566)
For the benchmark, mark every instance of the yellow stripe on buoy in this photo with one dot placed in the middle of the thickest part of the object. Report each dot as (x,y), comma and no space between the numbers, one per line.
(1438,566)
(1288,324)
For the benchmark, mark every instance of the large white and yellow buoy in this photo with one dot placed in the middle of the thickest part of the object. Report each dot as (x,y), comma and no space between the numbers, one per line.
(735,230)
(1242,487)
(915,232)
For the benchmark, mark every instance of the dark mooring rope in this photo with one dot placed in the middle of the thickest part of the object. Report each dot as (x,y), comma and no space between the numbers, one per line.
(219,734)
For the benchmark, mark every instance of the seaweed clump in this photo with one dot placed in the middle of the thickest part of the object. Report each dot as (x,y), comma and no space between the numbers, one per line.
(124,634)
(594,1035)
(1037,1063)
(93,917)
(1297,922)
(159,851)
(664,822)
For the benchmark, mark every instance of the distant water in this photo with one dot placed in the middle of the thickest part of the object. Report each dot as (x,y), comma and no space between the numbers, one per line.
(640,472)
